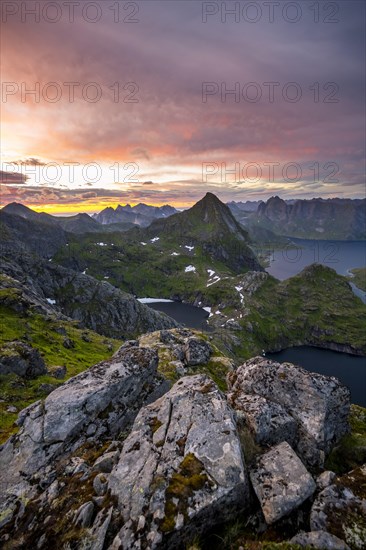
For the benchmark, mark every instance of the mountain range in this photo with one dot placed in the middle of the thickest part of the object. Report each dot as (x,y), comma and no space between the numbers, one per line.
(330,219)
(141,214)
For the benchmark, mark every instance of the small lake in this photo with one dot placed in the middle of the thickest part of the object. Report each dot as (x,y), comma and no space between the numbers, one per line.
(350,369)
(187,315)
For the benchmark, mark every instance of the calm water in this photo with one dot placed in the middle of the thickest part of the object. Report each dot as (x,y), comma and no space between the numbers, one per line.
(350,370)
(190,316)
(339,255)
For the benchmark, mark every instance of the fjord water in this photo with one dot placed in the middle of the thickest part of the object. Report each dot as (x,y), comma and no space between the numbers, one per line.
(339,255)
(350,370)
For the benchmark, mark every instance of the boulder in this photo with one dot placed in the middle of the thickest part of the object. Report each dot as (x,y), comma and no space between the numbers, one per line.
(281,482)
(196,352)
(109,395)
(340,509)
(21,359)
(268,421)
(58,372)
(319,404)
(180,469)
(325,479)
(319,539)
(106,462)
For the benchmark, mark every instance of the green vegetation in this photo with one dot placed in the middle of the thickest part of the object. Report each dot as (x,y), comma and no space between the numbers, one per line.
(191,477)
(48,336)
(351,450)
(359,277)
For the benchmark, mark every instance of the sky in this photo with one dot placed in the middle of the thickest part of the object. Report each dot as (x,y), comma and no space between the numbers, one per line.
(159,101)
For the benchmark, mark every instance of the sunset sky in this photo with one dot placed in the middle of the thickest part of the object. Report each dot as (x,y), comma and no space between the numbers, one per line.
(65,154)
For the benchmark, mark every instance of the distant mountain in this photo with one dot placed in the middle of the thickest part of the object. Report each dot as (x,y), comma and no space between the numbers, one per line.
(248,206)
(343,219)
(210,224)
(338,219)
(141,214)
(80,223)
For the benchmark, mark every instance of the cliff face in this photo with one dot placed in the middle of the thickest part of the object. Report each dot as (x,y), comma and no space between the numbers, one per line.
(26,250)
(342,219)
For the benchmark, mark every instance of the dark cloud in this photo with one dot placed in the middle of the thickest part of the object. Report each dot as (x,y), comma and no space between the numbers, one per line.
(11,178)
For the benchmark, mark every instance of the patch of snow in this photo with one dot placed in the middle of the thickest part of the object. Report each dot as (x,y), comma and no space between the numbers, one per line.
(216,280)
(143,244)
(101,244)
(190,248)
(239,288)
(155,239)
(210,272)
(207,308)
(190,268)
(175,254)
(51,302)
(106,277)
(152,300)
(50,260)
(218,313)
(84,272)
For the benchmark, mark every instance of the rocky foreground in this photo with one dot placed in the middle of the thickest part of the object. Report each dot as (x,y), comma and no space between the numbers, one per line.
(115,458)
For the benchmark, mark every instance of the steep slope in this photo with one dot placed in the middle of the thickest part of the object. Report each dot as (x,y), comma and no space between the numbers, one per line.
(210,224)
(342,219)
(97,305)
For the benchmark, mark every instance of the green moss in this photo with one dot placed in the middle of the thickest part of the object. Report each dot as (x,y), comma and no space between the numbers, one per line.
(190,477)
(155,424)
(46,335)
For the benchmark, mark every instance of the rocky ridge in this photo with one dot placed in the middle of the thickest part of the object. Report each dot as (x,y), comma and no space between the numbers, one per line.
(116,458)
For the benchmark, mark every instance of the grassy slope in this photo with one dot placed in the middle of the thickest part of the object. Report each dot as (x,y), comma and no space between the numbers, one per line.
(42,334)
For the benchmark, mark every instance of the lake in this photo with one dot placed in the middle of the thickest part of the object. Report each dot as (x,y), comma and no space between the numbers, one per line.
(350,370)
(190,316)
(339,255)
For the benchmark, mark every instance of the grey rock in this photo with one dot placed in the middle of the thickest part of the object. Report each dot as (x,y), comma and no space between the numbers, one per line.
(58,372)
(100,484)
(268,421)
(106,462)
(84,514)
(21,359)
(196,351)
(319,539)
(281,482)
(180,467)
(340,509)
(179,367)
(68,343)
(11,409)
(99,530)
(319,404)
(109,395)
(325,479)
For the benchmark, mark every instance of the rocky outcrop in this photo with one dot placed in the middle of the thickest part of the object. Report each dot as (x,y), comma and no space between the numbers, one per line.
(319,539)
(318,404)
(21,359)
(96,304)
(180,468)
(281,482)
(340,509)
(100,403)
(196,352)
